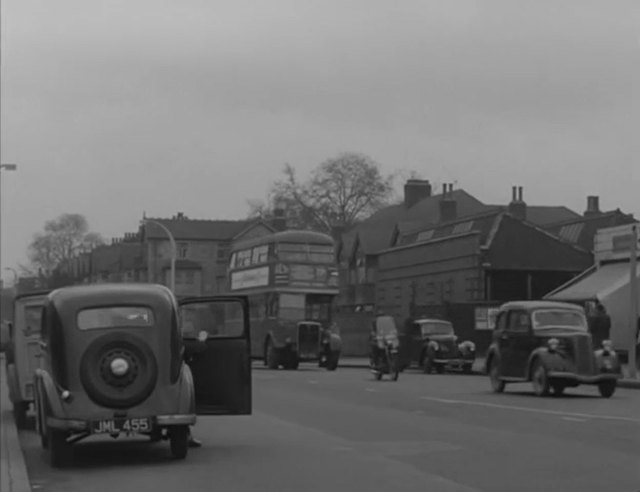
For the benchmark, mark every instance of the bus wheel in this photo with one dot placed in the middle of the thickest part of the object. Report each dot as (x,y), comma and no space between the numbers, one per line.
(271,356)
(292,361)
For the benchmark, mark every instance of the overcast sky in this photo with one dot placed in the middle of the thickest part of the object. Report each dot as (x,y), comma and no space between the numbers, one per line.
(115,107)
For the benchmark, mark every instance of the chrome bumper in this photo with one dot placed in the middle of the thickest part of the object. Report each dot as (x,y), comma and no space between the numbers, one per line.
(83,425)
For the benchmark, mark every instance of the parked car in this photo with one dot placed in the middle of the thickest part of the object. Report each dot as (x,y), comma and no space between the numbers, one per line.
(113,364)
(23,351)
(549,344)
(432,344)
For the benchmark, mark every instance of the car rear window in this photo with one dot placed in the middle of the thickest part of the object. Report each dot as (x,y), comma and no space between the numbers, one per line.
(114,317)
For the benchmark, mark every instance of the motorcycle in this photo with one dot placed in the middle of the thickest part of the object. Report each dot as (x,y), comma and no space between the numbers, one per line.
(386,360)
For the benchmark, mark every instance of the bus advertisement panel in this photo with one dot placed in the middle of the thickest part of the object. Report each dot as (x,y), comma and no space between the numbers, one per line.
(291,279)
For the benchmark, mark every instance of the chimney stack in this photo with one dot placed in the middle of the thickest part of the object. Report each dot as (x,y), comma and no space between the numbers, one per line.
(279,221)
(416,190)
(593,206)
(517,207)
(448,204)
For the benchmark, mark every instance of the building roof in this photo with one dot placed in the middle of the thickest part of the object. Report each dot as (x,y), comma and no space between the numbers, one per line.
(582,231)
(204,230)
(378,230)
(543,215)
(483,223)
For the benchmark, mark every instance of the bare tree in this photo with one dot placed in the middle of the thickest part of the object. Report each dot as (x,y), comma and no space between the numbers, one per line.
(61,239)
(341,190)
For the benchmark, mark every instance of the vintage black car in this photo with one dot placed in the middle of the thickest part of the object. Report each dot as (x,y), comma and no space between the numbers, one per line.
(113,364)
(432,344)
(549,344)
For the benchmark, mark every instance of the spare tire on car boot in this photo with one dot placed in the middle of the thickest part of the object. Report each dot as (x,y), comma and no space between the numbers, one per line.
(118,370)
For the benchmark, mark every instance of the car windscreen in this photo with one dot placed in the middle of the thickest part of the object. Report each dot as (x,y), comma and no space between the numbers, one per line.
(114,317)
(436,328)
(559,318)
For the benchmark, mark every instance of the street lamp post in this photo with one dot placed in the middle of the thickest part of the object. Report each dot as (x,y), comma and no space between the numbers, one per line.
(3,167)
(174,251)
(633,307)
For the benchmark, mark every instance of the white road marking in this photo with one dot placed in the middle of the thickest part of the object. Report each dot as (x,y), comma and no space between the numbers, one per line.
(532,410)
(573,419)
(371,390)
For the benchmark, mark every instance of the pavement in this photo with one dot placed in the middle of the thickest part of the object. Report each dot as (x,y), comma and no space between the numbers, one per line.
(13,471)
(478,368)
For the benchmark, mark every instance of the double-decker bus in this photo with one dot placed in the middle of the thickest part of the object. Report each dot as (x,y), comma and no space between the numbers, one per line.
(291,279)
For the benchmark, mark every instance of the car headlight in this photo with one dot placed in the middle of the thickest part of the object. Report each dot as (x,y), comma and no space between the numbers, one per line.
(607,345)
(288,340)
(553,344)
(433,345)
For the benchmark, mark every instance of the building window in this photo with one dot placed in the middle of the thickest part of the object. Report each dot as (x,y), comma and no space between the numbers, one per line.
(425,235)
(183,250)
(462,228)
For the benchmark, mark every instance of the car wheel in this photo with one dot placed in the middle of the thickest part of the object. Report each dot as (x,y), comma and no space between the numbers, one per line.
(179,441)
(539,379)
(557,389)
(440,368)
(332,362)
(607,388)
(272,356)
(60,451)
(497,384)
(20,414)
(467,368)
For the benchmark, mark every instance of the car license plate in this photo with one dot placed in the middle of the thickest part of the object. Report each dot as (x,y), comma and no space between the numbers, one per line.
(113,426)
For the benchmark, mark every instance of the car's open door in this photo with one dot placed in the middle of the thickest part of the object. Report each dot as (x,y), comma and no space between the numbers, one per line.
(216,337)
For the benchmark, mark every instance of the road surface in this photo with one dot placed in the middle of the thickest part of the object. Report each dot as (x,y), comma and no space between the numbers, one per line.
(314,430)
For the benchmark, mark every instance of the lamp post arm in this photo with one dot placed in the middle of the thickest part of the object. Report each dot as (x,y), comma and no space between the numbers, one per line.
(174,250)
